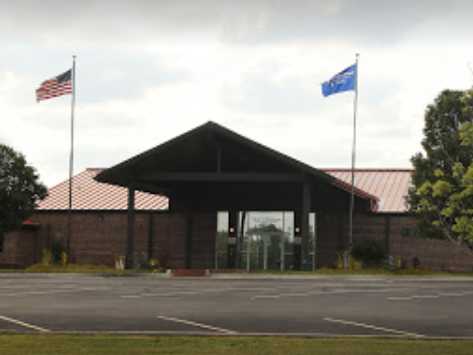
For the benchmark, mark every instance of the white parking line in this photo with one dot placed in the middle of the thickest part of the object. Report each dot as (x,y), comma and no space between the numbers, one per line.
(195,324)
(438,295)
(23,324)
(425,296)
(453,294)
(265,296)
(399,298)
(321,293)
(374,327)
(49,292)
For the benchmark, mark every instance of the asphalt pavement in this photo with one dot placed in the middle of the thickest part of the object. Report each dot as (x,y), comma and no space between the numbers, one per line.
(329,306)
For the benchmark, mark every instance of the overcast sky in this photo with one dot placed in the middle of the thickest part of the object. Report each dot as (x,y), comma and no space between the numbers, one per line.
(149,70)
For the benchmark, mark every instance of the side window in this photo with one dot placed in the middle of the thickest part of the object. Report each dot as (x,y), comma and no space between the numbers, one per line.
(2,240)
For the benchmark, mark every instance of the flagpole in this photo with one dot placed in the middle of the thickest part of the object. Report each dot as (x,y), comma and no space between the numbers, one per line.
(353,161)
(71,157)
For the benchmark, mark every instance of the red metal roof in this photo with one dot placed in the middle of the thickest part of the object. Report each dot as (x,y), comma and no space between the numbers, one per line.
(389,185)
(89,194)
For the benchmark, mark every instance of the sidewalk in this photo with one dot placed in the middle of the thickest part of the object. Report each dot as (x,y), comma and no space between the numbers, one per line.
(247,276)
(358,277)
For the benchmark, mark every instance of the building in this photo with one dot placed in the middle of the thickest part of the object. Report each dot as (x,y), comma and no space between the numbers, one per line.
(211,198)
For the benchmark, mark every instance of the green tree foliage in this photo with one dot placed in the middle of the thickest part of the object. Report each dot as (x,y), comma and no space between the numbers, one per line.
(20,189)
(442,190)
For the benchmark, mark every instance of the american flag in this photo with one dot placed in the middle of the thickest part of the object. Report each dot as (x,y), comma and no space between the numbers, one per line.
(57,86)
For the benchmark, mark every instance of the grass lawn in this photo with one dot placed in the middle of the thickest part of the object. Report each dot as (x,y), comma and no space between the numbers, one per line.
(15,344)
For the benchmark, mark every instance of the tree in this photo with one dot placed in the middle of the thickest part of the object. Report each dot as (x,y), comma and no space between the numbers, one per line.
(442,191)
(20,189)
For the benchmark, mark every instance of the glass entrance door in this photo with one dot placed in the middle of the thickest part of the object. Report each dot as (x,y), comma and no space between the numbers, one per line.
(267,240)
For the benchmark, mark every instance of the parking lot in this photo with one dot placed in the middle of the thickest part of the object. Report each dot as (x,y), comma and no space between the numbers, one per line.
(384,306)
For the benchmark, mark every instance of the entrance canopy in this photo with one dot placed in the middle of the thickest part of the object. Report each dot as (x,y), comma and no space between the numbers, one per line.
(213,168)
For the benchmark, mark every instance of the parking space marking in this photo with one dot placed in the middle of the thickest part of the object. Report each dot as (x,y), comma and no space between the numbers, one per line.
(169,294)
(399,298)
(374,327)
(437,295)
(50,292)
(265,297)
(452,294)
(200,325)
(322,293)
(24,324)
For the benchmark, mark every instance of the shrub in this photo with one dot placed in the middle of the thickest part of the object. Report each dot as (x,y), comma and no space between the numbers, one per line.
(56,250)
(153,264)
(64,258)
(370,252)
(355,265)
(46,257)
(339,264)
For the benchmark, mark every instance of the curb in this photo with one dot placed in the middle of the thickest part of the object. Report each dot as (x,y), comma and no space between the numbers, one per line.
(240,335)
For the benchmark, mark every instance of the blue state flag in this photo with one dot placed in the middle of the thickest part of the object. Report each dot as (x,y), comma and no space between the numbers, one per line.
(343,81)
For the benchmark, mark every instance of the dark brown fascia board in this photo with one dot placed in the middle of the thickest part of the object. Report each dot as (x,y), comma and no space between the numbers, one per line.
(223,177)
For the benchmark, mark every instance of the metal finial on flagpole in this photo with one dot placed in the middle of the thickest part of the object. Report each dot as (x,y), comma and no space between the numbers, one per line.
(71,157)
(353,163)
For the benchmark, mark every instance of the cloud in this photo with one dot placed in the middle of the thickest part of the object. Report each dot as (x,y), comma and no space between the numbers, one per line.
(379,22)
(149,70)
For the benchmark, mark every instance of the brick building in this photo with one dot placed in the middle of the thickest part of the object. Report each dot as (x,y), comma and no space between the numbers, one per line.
(211,198)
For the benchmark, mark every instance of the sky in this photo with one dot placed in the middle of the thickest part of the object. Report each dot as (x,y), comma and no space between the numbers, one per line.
(150,70)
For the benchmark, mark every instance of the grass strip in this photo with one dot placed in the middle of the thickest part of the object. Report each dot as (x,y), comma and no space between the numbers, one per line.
(16,344)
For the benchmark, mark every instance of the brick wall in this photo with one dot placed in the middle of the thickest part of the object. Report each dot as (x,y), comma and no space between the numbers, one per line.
(19,248)
(203,246)
(397,233)
(432,253)
(330,239)
(100,237)
(169,238)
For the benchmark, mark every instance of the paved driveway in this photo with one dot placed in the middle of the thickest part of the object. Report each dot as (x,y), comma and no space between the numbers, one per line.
(328,306)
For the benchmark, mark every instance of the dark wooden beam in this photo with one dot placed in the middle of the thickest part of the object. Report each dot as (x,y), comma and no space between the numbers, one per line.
(233,230)
(221,177)
(189,237)
(302,224)
(306,205)
(130,241)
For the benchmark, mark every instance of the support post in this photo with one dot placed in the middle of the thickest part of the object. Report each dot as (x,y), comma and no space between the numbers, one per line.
(190,222)
(130,242)
(232,239)
(306,204)
(301,223)
(297,239)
